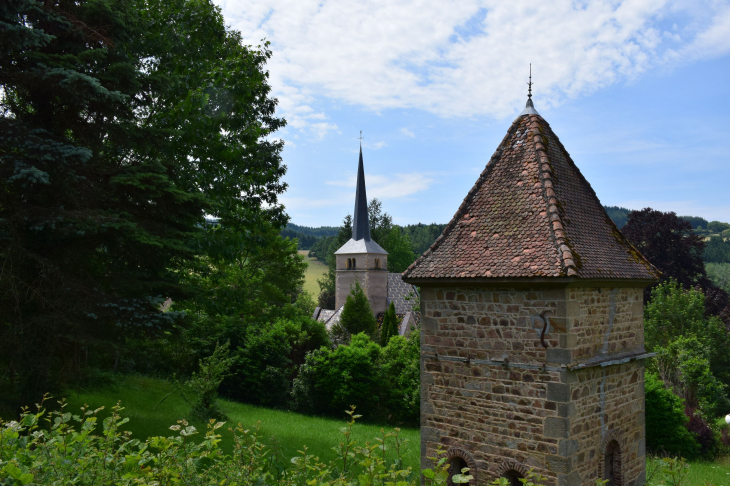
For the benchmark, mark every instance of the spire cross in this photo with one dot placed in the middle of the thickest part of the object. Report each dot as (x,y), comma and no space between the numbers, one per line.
(361,137)
(529,86)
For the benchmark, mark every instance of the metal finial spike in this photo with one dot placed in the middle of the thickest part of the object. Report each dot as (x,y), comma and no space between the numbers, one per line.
(529,107)
(361,137)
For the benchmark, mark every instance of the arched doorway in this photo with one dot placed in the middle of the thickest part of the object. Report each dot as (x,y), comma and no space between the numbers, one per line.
(458,460)
(457,464)
(612,464)
(513,477)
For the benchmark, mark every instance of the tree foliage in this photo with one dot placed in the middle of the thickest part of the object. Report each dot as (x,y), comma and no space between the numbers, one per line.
(123,123)
(717,250)
(719,274)
(669,243)
(203,384)
(618,215)
(384,383)
(672,247)
(389,328)
(400,368)
(691,348)
(695,221)
(422,236)
(357,315)
(666,430)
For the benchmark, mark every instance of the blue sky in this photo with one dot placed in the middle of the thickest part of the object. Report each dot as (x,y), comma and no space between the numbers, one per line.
(638,92)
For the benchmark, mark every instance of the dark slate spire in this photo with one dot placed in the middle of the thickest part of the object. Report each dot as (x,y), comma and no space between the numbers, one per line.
(361,223)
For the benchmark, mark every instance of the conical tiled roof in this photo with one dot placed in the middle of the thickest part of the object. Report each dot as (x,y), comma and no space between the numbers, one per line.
(531,214)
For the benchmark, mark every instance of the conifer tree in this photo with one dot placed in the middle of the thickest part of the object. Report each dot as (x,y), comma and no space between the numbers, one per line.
(390,325)
(122,124)
(357,315)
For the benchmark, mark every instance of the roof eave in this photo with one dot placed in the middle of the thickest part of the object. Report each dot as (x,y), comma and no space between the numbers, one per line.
(561,281)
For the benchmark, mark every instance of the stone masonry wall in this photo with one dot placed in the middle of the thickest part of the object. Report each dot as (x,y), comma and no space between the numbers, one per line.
(607,404)
(489,387)
(604,322)
(373,281)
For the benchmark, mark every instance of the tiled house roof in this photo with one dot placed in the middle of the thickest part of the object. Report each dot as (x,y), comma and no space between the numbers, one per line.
(531,213)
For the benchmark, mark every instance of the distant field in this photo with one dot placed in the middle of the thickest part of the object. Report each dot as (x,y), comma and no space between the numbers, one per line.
(140,396)
(314,272)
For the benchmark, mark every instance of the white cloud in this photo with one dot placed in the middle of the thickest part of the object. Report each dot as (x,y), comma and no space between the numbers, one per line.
(407,133)
(388,187)
(467,58)
(374,146)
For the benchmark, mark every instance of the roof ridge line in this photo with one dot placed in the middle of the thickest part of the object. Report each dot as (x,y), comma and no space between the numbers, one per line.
(557,228)
(457,216)
(617,232)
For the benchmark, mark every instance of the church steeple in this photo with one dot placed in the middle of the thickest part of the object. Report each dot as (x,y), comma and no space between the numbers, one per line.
(361,221)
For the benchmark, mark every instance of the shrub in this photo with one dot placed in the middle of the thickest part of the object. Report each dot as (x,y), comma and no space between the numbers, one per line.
(703,433)
(402,389)
(665,421)
(332,380)
(269,357)
(385,382)
(203,384)
(357,315)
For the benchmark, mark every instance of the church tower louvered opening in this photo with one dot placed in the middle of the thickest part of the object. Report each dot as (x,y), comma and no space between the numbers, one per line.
(532,323)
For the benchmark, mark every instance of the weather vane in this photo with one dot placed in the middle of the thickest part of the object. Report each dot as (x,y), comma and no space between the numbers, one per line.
(529,87)
(361,137)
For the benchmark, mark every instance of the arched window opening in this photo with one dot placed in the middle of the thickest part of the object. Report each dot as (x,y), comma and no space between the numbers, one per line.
(349,263)
(377,263)
(354,265)
(612,464)
(457,464)
(513,477)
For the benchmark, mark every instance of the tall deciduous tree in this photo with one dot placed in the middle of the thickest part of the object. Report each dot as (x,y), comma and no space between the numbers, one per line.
(672,246)
(669,243)
(123,123)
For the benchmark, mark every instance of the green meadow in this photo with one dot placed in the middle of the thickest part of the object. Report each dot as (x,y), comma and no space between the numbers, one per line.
(287,431)
(315,271)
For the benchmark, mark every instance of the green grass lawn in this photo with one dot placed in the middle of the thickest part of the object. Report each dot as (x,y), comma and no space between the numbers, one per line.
(289,431)
(140,397)
(701,473)
(315,270)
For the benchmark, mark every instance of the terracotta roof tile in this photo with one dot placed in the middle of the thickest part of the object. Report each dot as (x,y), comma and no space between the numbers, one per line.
(531,213)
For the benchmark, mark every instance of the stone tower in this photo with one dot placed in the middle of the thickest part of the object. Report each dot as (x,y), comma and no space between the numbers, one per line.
(532,325)
(361,259)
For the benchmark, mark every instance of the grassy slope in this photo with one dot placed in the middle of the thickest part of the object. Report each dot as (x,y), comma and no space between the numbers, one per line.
(315,271)
(139,395)
(702,473)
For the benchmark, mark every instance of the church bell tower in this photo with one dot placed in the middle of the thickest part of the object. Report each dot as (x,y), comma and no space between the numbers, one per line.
(362,259)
